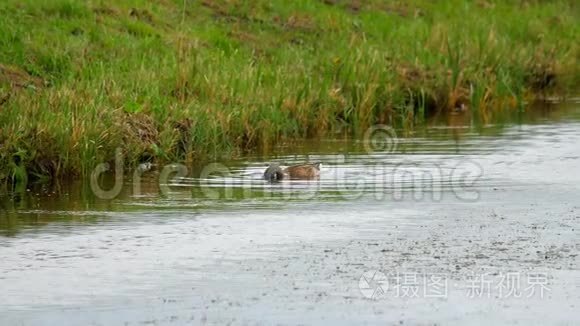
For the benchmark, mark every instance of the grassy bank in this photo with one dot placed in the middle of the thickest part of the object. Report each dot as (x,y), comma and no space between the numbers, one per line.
(178,80)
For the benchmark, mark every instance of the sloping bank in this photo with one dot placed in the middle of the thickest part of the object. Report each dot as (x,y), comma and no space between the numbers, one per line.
(181,80)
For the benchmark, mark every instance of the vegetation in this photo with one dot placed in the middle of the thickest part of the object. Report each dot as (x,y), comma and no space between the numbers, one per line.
(178,80)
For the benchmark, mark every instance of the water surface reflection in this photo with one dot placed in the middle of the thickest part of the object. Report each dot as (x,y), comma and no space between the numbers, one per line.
(456,197)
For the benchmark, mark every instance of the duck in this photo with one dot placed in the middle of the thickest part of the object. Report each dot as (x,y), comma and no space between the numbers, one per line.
(306,171)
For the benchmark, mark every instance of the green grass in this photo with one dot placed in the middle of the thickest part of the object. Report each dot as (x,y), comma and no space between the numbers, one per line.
(177,80)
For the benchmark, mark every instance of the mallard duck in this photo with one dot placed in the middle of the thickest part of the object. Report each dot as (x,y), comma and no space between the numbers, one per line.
(300,171)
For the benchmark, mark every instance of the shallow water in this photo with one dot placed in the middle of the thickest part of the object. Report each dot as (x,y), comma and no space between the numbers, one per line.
(459,222)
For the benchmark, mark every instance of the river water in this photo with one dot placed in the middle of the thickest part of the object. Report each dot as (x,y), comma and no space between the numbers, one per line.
(461,221)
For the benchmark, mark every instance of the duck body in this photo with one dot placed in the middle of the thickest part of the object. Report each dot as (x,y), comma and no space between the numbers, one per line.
(307,171)
(303,171)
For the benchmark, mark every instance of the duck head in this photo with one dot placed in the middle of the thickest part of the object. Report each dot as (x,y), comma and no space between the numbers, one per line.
(274,173)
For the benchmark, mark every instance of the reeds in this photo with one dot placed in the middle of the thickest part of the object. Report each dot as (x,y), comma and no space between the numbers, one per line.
(184,80)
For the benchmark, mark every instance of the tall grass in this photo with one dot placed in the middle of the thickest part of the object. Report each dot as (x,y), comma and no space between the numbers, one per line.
(182,80)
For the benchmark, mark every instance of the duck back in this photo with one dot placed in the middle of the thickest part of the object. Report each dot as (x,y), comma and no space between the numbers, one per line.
(303,171)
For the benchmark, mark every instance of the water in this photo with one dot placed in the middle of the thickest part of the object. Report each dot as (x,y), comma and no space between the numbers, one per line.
(456,223)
